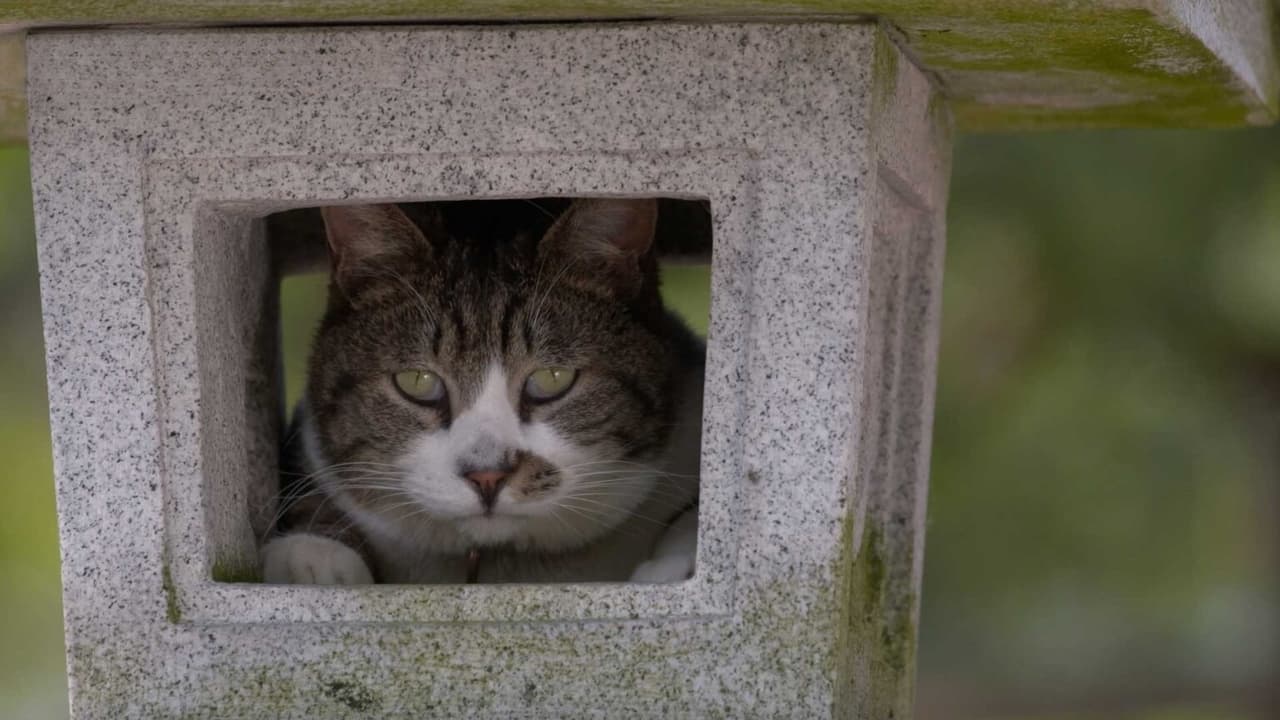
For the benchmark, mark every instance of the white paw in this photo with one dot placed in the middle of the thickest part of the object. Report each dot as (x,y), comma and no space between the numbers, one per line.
(670,568)
(674,557)
(312,560)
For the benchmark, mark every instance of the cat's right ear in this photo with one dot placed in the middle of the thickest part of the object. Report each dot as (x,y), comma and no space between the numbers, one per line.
(361,237)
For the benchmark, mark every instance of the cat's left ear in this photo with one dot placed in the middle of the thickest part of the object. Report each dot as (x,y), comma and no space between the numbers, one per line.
(363,236)
(605,240)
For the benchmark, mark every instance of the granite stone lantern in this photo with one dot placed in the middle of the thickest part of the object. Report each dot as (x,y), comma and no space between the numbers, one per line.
(819,132)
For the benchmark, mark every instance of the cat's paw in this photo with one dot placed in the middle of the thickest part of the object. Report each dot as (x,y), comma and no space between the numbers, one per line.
(670,568)
(305,559)
(674,557)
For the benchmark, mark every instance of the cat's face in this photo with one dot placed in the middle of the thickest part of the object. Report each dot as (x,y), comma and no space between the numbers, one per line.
(515,390)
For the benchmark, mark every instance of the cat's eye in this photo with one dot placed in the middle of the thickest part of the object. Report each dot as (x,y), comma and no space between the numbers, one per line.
(421,386)
(547,384)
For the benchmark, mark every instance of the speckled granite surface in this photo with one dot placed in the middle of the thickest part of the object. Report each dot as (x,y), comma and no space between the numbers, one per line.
(156,154)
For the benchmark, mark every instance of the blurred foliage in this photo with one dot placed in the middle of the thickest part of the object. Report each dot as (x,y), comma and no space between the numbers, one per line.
(1103,512)
(32,682)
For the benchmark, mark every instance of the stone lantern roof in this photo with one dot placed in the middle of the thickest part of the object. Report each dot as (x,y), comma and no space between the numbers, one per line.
(1001,64)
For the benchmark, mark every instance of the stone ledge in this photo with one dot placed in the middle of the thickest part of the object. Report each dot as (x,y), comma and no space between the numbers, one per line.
(1010,64)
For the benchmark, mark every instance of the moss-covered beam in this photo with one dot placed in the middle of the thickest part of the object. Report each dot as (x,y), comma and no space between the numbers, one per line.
(1100,64)
(1003,64)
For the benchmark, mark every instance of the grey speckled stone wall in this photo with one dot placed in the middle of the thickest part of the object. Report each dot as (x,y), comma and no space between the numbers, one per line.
(155,156)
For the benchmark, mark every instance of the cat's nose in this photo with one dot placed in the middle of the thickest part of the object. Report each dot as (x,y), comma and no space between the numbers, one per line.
(488,483)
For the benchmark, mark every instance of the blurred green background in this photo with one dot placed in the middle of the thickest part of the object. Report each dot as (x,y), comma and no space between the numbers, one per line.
(1104,515)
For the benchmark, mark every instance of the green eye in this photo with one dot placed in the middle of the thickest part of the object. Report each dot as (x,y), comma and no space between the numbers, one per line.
(421,386)
(549,383)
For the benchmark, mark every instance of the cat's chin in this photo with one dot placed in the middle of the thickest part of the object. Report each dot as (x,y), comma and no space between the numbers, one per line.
(485,530)
(519,532)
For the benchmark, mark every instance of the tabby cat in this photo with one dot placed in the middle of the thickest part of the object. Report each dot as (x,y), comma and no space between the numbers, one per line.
(493,408)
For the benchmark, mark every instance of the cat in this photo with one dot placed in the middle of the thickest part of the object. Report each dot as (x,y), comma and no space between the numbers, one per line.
(493,408)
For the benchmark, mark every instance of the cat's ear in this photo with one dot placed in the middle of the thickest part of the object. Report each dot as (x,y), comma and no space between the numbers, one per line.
(605,240)
(360,236)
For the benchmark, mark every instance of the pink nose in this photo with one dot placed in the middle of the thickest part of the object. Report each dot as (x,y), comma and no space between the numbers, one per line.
(488,483)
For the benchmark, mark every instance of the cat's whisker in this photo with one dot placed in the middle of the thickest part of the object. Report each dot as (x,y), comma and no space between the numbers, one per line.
(629,472)
(615,463)
(626,489)
(635,480)
(299,478)
(617,493)
(624,475)
(357,467)
(281,511)
(627,513)
(600,521)
(625,492)
(637,469)
(631,482)
(356,476)
(318,486)
(328,497)
(424,310)
(405,498)
(295,431)
(555,513)
(540,209)
(595,519)
(355,463)
(536,317)
(607,508)
(579,534)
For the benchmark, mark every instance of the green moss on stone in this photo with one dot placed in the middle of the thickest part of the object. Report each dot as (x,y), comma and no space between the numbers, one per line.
(352,694)
(172,610)
(235,571)
(875,657)
(1079,66)
(884,74)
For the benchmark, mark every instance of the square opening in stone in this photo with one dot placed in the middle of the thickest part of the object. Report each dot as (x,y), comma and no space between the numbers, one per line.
(489,391)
